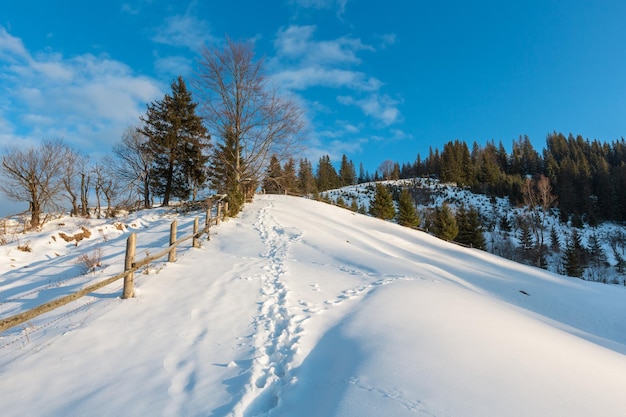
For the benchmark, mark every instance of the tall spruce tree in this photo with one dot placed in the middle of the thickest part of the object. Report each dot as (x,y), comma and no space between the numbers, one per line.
(273,181)
(347,173)
(306,179)
(382,205)
(470,228)
(574,257)
(177,143)
(290,180)
(407,213)
(327,177)
(223,173)
(445,226)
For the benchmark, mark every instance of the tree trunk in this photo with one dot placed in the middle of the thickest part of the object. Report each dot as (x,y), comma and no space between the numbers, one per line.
(35,212)
(84,199)
(168,184)
(146,192)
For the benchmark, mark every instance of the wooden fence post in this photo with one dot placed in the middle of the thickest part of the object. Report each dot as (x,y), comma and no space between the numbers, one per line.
(219,212)
(129,286)
(207,224)
(225,208)
(172,255)
(196,243)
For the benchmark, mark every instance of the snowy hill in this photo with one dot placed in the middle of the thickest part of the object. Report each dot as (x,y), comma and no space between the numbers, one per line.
(430,193)
(299,308)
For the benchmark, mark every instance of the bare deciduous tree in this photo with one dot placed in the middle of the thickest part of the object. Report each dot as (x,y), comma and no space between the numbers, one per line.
(35,175)
(133,163)
(104,185)
(238,103)
(539,199)
(74,177)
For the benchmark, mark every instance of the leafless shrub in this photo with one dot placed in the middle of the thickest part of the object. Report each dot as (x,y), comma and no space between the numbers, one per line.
(90,261)
(24,247)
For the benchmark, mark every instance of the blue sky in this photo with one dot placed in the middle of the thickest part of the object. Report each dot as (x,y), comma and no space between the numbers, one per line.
(378,80)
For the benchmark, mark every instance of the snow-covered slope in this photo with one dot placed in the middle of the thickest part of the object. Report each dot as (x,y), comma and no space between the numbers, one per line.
(298,308)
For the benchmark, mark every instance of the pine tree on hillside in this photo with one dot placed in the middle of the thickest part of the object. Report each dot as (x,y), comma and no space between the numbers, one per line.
(382,205)
(290,179)
(407,213)
(597,256)
(444,224)
(306,179)
(177,142)
(505,224)
(327,178)
(574,256)
(354,206)
(525,237)
(273,181)
(555,242)
(470,228)
(347,173)
(223,172)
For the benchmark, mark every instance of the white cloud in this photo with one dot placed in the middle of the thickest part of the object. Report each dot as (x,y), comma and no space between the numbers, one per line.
(339,5)
(303,63)
(11,47)
(87,100)
(184,31)
(381,107)
(296,42)
(173,66)
(306,77)
(387,40)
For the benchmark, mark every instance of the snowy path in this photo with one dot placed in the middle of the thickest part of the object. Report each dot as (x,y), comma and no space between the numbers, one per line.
(297,308)
(276,327)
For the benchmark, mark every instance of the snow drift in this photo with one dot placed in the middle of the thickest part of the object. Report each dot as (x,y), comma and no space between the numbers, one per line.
(298,308)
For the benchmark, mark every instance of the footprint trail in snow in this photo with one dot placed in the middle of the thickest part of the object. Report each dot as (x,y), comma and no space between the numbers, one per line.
(276,329)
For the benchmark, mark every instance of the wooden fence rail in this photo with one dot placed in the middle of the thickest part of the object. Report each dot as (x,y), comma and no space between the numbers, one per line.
(130,267)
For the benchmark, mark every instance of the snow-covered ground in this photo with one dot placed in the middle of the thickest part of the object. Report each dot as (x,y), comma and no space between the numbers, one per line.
(431,193)
(299,308)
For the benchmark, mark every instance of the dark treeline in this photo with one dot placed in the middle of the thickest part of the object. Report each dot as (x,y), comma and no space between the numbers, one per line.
(587,177)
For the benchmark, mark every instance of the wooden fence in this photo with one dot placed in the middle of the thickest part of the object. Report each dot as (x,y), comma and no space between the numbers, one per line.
(130,267)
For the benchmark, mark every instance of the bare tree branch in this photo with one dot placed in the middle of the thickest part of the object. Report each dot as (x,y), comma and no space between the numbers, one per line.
(34,175)
(237,100)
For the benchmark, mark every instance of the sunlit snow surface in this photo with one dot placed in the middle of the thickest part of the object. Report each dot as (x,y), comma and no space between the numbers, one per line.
(298,308)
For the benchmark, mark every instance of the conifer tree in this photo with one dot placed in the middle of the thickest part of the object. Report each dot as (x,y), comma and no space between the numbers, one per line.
(327,177)
(306,180)
(555,242)
(407,213)
(177,142)
(444,224)
(574,256)
(290,180)
(470,228)
(272,183)
(347,174)
(597,256)
(362,177)
(505,224)
(525,236)
(382,205)
(223,173)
